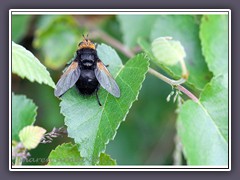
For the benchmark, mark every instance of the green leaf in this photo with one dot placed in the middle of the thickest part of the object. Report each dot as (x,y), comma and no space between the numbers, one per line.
(147,49)
(185,29)
(24,113)
(105,159)
(68,154)
(57,38)
(93,126)
(65,154)
(168,51)
(214,38)
(109,57)
(31,136)
(19,26)
(203,127)
(26,65)
(135,26)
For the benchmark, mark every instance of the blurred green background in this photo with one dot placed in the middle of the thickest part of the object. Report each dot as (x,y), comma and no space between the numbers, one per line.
(147,135)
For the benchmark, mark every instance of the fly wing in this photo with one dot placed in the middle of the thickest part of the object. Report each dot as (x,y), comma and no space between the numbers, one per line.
(106,80)
(68,79)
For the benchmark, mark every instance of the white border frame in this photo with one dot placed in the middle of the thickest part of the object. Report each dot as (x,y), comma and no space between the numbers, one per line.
(114,12)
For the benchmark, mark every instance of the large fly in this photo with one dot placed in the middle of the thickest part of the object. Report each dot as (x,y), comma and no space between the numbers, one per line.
(87,72)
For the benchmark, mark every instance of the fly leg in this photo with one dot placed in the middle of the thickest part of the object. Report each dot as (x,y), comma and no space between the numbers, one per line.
(97,96)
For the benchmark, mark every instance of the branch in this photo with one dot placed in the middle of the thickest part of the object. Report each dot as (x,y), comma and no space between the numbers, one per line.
(188,93)
(118,45)
(166,79)
(113,42)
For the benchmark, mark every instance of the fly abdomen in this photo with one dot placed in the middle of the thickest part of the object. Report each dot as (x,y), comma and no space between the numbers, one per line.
(87,82)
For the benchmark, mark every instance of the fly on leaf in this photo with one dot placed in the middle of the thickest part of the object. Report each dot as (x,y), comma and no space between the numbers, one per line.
(87,72)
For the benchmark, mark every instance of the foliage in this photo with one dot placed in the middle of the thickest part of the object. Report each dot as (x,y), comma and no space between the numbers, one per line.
(105,159)
(147,135)
(67,154)
(214,39)
(52,31)
(168,51)
(208,119)
(214,92)
(185,29)
(130,34)
(87,121)
(31,136)
(26,65)
(19,27)
(24,113)
(25,136)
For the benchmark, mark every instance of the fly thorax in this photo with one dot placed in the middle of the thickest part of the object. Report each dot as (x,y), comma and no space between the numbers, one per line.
(87,59)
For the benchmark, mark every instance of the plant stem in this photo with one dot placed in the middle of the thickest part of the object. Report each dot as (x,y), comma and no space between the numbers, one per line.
(176,83)
(113,42)
(184,69)
(166,79)
(177,154)
(18,161)
(188,93)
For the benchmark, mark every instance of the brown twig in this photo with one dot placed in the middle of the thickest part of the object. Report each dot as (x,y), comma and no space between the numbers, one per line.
(188,93)
(56,132)
(118,45)
(113,42)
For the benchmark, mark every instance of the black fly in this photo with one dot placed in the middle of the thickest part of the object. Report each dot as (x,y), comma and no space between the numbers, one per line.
(87,72)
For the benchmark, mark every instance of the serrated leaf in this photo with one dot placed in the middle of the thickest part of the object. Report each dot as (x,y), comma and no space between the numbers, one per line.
(68,154)
(214,38)
(168,51)
(24,113)
(30,136)
(26,65)
(185,29)
(19,26)
(203,127)
(105,159)
(135,26)
(57,38)
(93,126)
(109,57)
(65,154)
